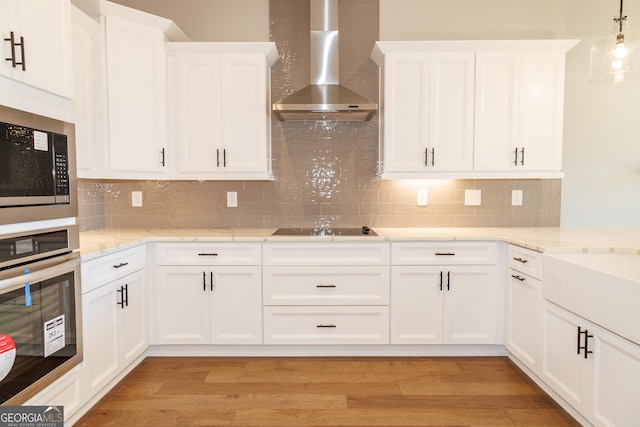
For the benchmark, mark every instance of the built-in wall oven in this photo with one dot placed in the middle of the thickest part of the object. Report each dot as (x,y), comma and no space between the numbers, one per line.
(40,319)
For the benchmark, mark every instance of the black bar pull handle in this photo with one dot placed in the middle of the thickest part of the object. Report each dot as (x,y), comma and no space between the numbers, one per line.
(121,292)
(325,326)
(218,157)
(587,352)
(522,279)
(122,264)
(162,157)
(212,281)
(23,61)
(441,273)
(325,286)
(208,254)
(204,280)
(522,156)
(433,157)
(224,157)
(579,333)
(11,41)
(445,254)
(448,280)
(515,161)
(522,260)
(426,152)
(126,294)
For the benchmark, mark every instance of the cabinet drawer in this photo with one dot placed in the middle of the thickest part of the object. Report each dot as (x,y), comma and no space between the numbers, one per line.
(443,253)
(338,285)
(326,253)
(326,325)
(97,272)
(525,261)
(210,253)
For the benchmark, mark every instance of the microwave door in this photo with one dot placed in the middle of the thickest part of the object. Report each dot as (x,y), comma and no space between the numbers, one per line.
(27,172)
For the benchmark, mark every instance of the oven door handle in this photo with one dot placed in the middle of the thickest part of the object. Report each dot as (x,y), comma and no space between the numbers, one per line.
(39,275)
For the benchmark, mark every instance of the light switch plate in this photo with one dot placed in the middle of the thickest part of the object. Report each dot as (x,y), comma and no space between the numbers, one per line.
(472,197)
(422,198)
(516,198)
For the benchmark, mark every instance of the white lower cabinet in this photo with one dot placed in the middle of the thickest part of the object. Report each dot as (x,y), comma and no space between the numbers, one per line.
(523,306)
(114,315)
(445,303)
(68,392)
(593,370)
(326,293)
(208,305)
(199,301)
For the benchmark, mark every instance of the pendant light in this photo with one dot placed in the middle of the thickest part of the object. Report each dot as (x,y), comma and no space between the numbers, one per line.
(616,57)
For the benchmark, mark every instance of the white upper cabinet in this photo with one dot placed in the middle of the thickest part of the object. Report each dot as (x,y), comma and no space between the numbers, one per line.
(519,111)
(36,44)
(131,102)
(427,113)
(471,109)
(219,115)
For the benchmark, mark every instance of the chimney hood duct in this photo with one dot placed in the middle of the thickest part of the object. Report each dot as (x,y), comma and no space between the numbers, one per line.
(325,98)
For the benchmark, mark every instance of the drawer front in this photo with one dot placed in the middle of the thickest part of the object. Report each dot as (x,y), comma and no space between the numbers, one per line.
(444,253)
(338,285)
(525,261)
(99,271)
(209,253)
(326,253)
(326,325)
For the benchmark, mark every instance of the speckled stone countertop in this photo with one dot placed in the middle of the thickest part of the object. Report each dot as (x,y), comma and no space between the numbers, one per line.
(553,239)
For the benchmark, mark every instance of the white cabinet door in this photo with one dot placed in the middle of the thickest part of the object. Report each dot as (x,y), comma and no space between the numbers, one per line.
(496,110)
(133,333)
(83,105)
(523,337)
(182,305)
(451,95)
(45,28)
(469,305)
(100,334)
(209,305)
(616,380)
(406,112)
(196,82)
(416,305)
(236,305)
(541,111)
(136,92)
(563,366)
(443,304)
(245,114)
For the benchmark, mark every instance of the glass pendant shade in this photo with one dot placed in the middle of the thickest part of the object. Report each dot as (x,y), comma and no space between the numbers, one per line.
(616,58)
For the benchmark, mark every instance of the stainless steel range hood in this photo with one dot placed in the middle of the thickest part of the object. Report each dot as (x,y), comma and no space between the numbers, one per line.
(325,98)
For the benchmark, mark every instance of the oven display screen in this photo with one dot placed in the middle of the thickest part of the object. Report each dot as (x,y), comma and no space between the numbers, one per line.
(24,246)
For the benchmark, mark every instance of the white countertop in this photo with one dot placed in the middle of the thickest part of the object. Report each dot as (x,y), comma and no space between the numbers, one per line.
(545,239)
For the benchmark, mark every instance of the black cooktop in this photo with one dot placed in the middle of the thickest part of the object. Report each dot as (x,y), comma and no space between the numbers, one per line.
(338,231)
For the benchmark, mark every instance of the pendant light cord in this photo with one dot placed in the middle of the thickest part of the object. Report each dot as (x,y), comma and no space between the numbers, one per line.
(621,18)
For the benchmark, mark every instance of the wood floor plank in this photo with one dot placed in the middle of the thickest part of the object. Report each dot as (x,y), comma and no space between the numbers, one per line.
(220,391)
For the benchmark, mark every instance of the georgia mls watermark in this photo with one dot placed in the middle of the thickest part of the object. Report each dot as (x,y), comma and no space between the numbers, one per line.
(31,416)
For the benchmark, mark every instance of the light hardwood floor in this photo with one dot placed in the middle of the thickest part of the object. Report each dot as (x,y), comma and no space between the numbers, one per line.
(468,391)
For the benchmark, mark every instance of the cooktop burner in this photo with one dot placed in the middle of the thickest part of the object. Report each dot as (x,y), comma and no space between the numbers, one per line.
(310,231)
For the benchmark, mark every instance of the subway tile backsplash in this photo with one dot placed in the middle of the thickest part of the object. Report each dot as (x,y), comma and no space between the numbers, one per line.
(325,171)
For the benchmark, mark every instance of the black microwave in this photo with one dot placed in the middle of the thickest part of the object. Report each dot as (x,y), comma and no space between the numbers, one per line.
(37,168)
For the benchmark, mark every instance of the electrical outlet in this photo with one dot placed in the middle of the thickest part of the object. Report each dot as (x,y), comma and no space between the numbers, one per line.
(136,199)
(232,199)
(422,198)
(472,197)
(516,198)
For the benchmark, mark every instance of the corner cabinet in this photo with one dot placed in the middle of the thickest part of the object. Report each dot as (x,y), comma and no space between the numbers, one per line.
(36,43)
(131,101)
(471,109)
(219,110)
